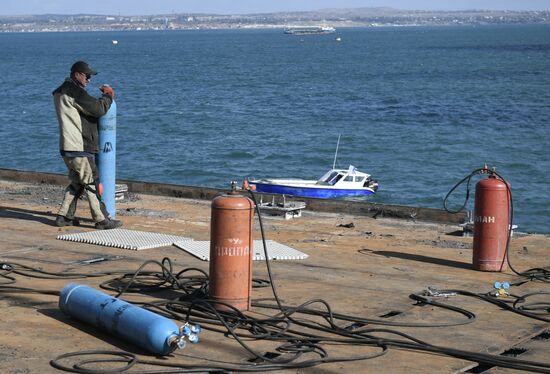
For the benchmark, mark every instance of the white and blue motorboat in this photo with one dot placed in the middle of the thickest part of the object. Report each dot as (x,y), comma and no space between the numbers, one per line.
(335,183)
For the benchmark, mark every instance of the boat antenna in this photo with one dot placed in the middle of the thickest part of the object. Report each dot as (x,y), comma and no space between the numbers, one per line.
(336,153)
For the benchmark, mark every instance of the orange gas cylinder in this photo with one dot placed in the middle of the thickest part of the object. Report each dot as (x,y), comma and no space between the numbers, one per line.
(491,221)
(231,251)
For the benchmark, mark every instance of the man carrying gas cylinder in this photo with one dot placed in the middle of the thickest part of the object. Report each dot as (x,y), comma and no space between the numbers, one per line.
(78,116)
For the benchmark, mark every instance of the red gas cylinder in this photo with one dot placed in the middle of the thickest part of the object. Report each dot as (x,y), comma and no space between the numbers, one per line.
(231,251)
(491,222)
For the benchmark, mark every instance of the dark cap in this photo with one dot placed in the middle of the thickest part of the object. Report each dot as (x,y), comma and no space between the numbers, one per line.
(82,67)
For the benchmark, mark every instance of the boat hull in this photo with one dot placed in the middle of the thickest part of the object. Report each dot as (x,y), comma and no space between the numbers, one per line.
(323,193)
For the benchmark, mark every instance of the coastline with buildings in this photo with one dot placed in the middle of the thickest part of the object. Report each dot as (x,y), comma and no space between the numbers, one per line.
(357,17)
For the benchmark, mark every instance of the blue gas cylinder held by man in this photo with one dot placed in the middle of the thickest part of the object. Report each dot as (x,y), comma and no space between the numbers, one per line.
(107,159)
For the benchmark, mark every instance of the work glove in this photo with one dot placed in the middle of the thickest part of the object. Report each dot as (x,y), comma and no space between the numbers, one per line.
(107,90)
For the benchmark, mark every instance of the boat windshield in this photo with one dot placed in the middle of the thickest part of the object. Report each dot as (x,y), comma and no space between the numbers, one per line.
(332,178)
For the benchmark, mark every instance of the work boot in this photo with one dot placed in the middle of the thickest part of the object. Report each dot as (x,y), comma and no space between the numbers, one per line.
(108,224)
(62,221)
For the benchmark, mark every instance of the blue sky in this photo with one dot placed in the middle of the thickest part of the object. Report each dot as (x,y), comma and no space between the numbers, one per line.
(142,7)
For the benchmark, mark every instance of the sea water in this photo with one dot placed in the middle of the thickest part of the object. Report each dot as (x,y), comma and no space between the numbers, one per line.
(419,108)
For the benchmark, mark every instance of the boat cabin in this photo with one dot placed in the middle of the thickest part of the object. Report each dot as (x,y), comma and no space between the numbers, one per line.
(350,178)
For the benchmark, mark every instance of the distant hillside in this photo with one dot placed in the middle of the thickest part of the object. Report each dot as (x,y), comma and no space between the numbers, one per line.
(356,17)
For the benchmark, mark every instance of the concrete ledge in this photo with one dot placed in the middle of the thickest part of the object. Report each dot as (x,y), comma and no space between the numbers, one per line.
(374,210)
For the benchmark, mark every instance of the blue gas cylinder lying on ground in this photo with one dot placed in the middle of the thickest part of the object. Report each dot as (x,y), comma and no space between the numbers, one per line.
(150,331)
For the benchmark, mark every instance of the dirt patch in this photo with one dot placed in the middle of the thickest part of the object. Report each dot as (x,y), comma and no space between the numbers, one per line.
(448,244)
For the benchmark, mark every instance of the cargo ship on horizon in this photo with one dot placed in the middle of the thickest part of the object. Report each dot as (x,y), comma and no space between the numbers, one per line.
(309,30)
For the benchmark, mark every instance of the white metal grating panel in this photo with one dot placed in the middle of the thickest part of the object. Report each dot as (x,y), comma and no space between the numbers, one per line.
(276,251)
(126,239)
